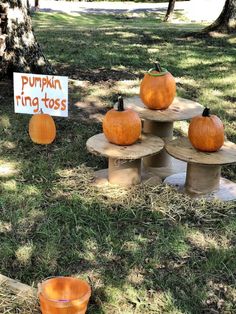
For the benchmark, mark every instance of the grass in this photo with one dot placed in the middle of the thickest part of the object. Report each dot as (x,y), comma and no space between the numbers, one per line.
(143,250)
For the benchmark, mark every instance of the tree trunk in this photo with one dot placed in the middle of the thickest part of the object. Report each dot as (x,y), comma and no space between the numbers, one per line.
(19,50)
(169,11)
(226,22)
(36,4)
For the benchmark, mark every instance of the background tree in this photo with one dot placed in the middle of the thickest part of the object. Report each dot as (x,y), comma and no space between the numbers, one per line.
(226,22)
(19,49)
(36,4)
(169,11)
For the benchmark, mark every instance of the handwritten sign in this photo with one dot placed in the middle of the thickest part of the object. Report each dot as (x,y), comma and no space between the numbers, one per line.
(34,92)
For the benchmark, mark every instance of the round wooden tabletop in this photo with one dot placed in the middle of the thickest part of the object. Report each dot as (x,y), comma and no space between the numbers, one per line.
(180,109)
(182,149)
(147,145)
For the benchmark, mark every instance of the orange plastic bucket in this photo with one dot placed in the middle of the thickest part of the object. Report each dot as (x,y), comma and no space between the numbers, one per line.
(64,295)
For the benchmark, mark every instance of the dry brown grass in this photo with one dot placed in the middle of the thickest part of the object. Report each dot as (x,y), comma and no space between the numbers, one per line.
(17,303)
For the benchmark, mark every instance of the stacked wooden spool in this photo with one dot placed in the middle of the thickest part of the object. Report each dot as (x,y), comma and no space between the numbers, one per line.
(161,123)
(180,164)
(203,175)
(124,146)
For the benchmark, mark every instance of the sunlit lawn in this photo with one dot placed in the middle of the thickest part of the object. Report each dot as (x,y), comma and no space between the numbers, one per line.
(116,48)
(144,250)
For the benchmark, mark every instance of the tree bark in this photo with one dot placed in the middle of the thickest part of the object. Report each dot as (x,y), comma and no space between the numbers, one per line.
(19,49)
(169,11)
(226,22)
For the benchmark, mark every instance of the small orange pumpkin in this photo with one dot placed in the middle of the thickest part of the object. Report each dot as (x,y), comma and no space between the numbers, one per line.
(42,129)
(206,132)
(158,88)
(122,126)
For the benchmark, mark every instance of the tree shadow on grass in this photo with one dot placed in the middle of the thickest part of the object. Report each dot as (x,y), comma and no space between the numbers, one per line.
(142,245)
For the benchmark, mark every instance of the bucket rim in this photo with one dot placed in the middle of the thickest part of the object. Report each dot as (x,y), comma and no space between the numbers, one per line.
(83,298)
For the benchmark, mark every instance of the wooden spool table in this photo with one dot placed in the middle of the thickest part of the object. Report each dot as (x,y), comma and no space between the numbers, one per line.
(124,162)
(203,177)
(160,123)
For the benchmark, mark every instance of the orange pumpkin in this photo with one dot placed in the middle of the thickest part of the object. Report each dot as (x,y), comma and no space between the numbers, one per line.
(206,132)
(122,126)
(42,129)
(158,88)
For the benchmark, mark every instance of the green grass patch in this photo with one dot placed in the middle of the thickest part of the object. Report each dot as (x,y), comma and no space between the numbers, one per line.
(143,250)
(110,47)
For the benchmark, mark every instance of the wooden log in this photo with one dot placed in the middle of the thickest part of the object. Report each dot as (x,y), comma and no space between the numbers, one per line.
(17,287)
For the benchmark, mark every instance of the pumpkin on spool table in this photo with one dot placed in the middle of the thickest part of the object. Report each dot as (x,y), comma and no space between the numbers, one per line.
(42,129)
(122,126)
(206,132)
(158,88)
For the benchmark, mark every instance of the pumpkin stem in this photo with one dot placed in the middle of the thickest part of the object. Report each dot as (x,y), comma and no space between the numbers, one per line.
(158,67)
(206,112)
(120,106)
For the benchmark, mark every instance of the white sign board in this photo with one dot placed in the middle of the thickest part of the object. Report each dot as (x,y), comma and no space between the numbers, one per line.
(34,92)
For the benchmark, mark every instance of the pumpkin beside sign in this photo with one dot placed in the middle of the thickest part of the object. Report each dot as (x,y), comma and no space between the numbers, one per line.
(158,88)
(206,132)
(122,126)
(42,129)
